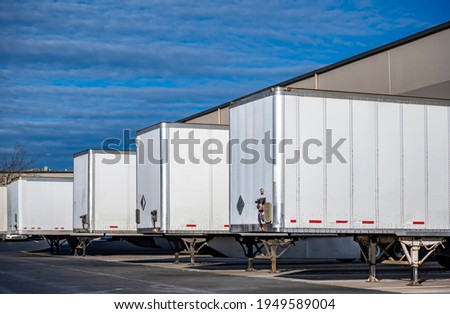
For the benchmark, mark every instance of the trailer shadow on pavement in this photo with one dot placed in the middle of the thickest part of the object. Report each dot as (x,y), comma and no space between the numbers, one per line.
(311,270)
(428,271)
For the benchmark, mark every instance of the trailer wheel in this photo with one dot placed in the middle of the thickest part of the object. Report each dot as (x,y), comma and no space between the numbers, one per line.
(366,252)
(396,251)
(443,260)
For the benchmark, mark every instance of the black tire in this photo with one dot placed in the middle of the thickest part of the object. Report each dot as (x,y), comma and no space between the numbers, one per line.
(396,251)
(443,260)
(366,252)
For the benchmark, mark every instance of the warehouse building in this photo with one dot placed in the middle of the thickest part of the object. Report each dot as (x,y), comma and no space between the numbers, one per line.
(417,65)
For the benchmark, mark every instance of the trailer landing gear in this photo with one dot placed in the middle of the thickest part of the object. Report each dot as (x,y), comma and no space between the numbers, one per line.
(55,243)
(412,255)
(372,258)
(82,244)
(250,247)
(386,248)
(192,247)
(270,246)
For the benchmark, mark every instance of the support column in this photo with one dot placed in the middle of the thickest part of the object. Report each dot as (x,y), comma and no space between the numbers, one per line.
(373,260)
(52,246)
(192,253)
(57,244)
(273,258)
(415,266)
(250,256)
(174,244)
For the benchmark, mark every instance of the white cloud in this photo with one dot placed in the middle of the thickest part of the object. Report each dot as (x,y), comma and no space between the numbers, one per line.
(91,69)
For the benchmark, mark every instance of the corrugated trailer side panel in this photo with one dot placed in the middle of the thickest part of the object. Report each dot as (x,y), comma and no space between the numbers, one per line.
(113,208)
(304,179)
(3,210)
(438,164)
(338,172)
(414,171)
(80,190)
(389,166)
(219,184)
(148,178)
(364,164)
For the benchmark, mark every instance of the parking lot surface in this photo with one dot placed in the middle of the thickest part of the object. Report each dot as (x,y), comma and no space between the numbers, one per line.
(28,267)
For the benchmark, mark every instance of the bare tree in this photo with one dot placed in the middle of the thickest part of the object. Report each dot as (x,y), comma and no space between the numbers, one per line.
(14,164)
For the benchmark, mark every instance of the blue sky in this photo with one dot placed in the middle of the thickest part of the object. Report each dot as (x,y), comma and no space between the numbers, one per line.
(75,73)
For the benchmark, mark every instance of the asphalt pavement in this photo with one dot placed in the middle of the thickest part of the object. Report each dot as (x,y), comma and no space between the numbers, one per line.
(28,267)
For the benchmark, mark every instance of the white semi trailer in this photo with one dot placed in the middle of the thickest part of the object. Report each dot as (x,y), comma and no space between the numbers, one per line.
(104,203)
(104,192)
(40,204)
(179,193)
(318,162)
(182,182)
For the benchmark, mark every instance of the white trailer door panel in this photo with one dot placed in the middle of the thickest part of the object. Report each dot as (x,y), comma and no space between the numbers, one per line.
(149,178)
(249,167)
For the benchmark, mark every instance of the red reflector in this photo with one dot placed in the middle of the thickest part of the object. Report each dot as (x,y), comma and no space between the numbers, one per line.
(226,226)
(191,225)
(341,221)
(113,227)
(56,228)
(315,221)
(25,227)
(293,221)
(32,228)
(418,222)
(62,228)
(39,228)
(368,222)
